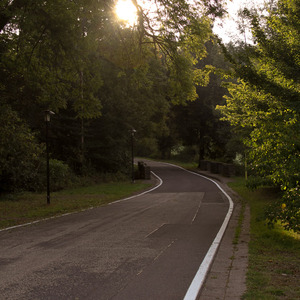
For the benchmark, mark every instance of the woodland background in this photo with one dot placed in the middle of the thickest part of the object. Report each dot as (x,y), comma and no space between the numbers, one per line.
(187,94)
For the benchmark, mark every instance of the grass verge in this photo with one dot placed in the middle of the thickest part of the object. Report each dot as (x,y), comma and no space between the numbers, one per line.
(27,207)
(274,254)
(186,165)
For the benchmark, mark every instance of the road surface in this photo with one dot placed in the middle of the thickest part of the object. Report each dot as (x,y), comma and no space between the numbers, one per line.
(146,247)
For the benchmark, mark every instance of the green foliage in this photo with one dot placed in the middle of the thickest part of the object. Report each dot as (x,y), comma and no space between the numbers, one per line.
(254,183)
(46,57)
(26,207)
(196,123)
(60,175)
(20,154)
(274,254)
(182,86)
(185,154)
(22,159)
(265,103)
(286,210)
(272,139)
(100,77)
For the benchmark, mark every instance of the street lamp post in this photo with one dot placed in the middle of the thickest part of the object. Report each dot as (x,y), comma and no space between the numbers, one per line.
(133,131)
(48,114)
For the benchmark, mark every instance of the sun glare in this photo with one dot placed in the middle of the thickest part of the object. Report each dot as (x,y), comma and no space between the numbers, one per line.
(126,11)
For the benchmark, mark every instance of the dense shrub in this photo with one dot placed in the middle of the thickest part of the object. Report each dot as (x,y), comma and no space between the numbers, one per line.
(60,175)
(286,210)
(20,154)
(255,182)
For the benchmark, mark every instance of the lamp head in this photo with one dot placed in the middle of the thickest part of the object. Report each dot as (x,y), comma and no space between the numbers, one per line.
(48,114)
(133,131)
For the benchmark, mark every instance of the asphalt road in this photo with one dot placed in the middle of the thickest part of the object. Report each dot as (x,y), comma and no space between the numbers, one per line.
(147,247)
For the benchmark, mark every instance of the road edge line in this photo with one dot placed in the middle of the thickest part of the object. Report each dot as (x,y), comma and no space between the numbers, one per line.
(198,281)
(76,212)
(141,194)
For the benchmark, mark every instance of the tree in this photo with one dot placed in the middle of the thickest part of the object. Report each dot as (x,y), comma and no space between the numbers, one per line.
(266,103)
(197,123)
(130,82)
(99,76)
(20,153)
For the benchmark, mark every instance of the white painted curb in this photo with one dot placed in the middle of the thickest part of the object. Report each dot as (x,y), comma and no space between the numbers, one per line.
(75,212)
(201,274)
(141,194)
(198,281)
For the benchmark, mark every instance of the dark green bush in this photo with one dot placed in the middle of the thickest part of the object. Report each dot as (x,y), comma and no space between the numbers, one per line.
(20,153)
(60,175)
(286,210)
(254,182)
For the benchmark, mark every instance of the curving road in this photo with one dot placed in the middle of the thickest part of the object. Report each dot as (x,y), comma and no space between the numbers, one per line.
(146,247)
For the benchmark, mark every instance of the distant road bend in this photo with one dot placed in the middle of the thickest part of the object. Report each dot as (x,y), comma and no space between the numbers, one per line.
(145,247)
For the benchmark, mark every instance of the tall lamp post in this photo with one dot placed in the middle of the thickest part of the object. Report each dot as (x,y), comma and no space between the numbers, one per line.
(133,131)
(48,114)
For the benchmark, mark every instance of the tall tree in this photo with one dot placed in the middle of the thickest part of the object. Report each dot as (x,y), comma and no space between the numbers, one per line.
(197,122)
(266,103)
(77,59)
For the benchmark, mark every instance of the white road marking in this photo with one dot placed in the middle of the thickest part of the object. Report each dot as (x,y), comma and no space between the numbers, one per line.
(41,220)
(164,250)
(146,192)
(201,274)
(196,285)
(155,230)
(54,217)
(195,216)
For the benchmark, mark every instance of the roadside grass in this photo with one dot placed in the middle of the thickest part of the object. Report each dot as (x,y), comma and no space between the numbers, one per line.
(274,254)
(21,208)
(185,165)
